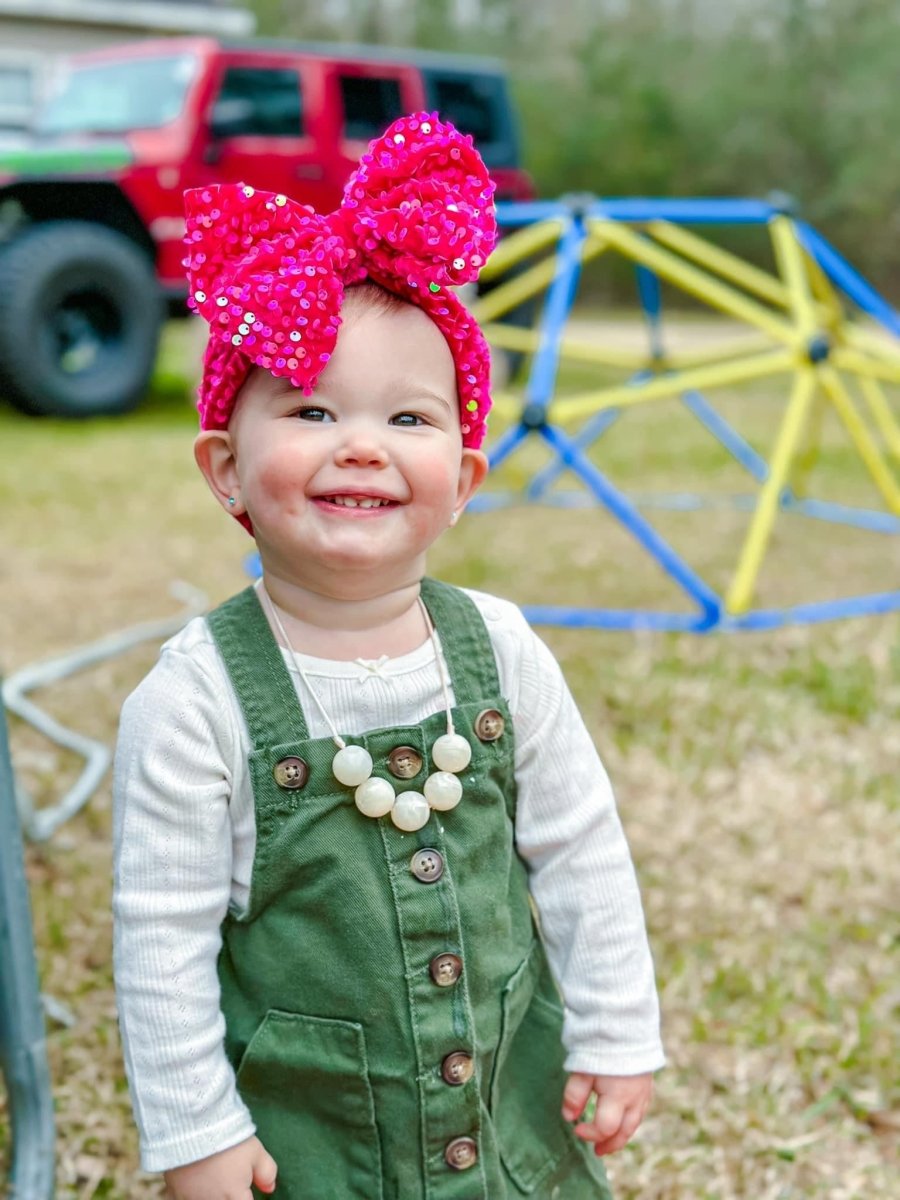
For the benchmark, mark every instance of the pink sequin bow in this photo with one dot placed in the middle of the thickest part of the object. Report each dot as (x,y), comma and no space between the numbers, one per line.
(269,274)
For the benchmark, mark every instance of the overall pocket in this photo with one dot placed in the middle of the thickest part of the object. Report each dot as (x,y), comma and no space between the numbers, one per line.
(306,1082)
(527,1089)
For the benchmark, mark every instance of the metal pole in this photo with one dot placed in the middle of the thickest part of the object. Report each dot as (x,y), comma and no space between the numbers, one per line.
(23,1047)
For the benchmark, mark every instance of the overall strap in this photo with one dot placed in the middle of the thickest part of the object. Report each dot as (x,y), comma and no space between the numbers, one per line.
(464,640)
(257,670)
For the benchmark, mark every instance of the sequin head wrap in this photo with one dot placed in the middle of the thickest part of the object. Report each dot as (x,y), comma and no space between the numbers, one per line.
(268,274)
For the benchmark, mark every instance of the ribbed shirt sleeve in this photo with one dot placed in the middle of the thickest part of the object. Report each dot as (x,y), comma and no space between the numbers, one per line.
(172,882)
(581,875)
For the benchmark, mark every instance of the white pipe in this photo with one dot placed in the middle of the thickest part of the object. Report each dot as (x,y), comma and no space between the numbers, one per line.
(40,824)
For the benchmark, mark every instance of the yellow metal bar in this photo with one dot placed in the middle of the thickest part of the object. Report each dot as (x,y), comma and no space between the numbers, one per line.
(753,279)
(521,244)
(740,594)
(846,359)
(882,413)
(506,405)
(789,257)
(725,352)
(726,264)
(828,306)
(511,337)
(694,281)
(605,355)
(873,342)
(757,366)
(514,291)
(869,452)
(808,455)
(519,288)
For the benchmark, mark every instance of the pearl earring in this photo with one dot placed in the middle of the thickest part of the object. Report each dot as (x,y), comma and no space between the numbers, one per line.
(454,517)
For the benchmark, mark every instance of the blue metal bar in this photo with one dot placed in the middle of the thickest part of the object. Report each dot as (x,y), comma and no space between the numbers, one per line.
(624,511)
(650,295)
(615,618)
(848,279)
(23,1043)
(506,443)
(725,433)
(638,209)
(823,610)
(843,514)
(715,211)
(560,295)
(590,433)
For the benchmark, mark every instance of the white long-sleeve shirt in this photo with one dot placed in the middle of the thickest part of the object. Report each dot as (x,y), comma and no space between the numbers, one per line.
(184,841)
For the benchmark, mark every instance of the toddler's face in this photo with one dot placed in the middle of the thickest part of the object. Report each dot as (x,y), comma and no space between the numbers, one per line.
(365,474)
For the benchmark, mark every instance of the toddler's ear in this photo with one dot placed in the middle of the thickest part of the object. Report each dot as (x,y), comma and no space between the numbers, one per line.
(214,455)
(472,470)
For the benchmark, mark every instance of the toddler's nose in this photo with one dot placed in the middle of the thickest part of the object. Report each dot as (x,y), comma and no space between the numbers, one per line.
(361,447)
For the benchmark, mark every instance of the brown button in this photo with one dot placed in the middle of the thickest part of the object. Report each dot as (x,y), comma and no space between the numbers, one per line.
(445,969)
(461,1153)
(489,725)
(291,773)
(457,1068)
(404,762)
(427,865)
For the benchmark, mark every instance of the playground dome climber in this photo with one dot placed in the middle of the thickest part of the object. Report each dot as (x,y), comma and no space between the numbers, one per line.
(813,323)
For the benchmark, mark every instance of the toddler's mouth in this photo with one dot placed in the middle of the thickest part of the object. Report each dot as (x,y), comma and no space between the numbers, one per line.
(357,501)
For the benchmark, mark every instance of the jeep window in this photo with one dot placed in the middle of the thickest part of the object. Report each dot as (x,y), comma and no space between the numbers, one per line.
(468,103)
(370,105)
(112,97)
(260,102)
(476,103)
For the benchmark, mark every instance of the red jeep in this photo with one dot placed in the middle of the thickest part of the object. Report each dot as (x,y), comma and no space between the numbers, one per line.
(91,211)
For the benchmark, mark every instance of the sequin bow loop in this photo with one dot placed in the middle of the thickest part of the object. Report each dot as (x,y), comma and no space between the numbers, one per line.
(420,205)
(267,274)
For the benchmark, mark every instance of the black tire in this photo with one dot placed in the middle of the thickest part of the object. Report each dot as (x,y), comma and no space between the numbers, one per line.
(80,319)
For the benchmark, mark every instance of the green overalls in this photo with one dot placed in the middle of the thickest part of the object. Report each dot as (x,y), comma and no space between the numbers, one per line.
(389,1008)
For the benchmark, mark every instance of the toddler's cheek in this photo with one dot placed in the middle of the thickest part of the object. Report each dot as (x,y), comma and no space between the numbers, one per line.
(280,480)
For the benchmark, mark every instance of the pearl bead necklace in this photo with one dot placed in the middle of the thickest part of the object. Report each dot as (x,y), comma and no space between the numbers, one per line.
(352,765)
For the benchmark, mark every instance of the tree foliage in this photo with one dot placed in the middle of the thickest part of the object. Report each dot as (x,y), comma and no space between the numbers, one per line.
(682,97)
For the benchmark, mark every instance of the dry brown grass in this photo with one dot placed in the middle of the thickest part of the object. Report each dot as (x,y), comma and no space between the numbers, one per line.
(757,777)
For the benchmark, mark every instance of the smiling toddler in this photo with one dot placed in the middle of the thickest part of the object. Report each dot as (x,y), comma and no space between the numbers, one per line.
(343,795)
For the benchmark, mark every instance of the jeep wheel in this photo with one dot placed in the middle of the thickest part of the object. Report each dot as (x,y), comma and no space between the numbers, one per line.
(80,318)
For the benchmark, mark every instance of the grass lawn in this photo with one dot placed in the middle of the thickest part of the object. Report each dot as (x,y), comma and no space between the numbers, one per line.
(757,776)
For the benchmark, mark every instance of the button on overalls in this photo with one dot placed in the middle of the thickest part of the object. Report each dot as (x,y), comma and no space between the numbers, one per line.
(389,1009)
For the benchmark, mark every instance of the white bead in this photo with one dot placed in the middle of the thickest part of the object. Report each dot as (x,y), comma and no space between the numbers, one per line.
(410,811)
(451,752)
(374,797)
(443,791)
(352,765)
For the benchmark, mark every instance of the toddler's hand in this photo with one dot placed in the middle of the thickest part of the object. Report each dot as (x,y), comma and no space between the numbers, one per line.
(622,1101)
(227,1175)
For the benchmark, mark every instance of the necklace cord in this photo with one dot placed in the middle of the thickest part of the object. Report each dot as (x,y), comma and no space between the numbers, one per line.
(336,737)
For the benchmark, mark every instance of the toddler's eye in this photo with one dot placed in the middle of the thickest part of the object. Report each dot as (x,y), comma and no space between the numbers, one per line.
(408,419)
(311,413)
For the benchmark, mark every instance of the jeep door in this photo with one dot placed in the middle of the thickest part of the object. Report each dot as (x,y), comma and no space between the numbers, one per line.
(364,98)
(263,127)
